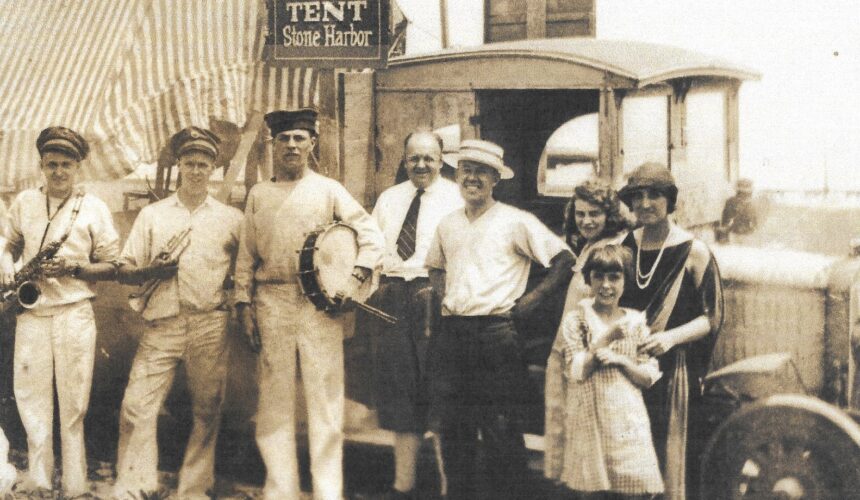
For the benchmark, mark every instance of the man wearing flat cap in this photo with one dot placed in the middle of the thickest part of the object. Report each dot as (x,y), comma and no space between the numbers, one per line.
(677,285)
(282,324)
(479,263)
(57,334)
(187,243)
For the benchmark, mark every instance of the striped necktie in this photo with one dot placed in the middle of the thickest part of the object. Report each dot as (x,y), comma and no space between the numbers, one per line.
(406,238)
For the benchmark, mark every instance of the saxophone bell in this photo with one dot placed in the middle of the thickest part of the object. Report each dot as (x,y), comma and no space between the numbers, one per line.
(29,294)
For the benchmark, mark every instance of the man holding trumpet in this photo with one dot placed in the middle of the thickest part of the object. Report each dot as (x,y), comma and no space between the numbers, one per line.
(180,251)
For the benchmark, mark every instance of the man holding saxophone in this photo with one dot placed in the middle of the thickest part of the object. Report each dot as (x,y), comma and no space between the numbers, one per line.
(180,250)
(56,333)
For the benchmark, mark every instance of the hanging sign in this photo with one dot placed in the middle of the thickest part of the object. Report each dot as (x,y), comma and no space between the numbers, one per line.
(328,34)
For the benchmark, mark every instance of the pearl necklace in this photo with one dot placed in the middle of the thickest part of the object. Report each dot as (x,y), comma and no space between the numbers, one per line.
(650,274)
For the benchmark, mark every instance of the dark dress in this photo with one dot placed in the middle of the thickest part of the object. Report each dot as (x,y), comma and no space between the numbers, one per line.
(692,302)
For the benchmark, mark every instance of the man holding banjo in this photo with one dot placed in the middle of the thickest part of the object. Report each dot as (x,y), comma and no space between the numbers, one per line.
(288,330)
(184,304)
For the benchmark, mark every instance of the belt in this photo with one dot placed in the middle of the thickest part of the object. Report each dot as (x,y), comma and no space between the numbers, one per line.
(399,279)
(277,281)
(488,318)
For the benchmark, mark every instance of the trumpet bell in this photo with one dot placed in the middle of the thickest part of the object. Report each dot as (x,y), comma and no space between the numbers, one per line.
(29,294)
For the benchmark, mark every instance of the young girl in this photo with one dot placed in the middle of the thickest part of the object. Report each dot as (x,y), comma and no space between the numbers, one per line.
(604,448)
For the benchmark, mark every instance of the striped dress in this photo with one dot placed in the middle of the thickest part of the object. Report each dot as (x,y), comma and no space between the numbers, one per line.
(598,436)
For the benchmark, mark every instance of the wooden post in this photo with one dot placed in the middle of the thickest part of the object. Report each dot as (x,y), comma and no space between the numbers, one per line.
(732,132)
(677,112)
(609,132)
(443,21)
(328,138)
(535,19)
(240,159)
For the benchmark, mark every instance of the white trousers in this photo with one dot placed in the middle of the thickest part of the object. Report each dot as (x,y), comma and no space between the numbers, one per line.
(61,346)
(198,340)
(292,329)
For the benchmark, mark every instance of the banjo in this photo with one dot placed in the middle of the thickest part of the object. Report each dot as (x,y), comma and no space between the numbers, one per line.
(326,261)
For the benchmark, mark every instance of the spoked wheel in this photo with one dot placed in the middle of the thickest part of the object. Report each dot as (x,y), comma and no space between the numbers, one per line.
(784,447)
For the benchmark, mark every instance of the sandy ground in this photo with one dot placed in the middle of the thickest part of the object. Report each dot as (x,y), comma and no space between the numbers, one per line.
(102,476)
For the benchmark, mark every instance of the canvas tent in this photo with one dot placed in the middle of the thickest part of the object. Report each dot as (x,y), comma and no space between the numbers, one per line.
(127,74)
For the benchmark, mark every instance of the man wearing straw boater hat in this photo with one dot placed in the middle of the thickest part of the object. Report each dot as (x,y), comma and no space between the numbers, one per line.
(282,324)
(479,261)
(56,333)
(179,251)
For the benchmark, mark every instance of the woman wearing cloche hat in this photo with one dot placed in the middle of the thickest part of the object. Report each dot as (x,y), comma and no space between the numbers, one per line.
(677,286)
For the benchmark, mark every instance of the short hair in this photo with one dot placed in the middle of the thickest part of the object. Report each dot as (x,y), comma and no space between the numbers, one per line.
(599,193)
(608,259)
(424,130)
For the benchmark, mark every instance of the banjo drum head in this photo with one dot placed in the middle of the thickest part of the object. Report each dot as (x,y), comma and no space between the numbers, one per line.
(334,257)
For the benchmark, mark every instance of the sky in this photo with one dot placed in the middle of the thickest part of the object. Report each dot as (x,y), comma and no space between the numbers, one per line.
(800,124)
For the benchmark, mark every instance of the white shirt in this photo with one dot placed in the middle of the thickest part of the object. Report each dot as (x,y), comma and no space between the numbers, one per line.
(213,242)
(92,238)
(439,199)
(278,218)
(487,261)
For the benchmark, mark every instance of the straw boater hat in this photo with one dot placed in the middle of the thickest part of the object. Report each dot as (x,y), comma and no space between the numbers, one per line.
(485,153)
(450,136)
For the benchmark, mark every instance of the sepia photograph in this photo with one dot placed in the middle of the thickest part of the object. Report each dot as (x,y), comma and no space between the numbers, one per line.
(429,249)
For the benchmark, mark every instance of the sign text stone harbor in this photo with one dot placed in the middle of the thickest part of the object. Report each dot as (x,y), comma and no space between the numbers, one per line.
(328,34)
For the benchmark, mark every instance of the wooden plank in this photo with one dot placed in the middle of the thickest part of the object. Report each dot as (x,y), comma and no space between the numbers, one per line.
(252,129)
(536,19)
(732,132)
(357,145)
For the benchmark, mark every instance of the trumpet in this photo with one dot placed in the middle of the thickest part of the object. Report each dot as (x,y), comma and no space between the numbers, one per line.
(173,249)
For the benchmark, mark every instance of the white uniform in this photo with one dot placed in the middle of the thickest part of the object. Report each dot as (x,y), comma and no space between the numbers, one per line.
(59,334)
(186,323)
(278,217)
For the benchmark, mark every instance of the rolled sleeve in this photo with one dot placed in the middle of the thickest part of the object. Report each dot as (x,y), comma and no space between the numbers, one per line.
(535,241)
(105,237)
(246,256)
(435,255)
(12,234)
(135,251)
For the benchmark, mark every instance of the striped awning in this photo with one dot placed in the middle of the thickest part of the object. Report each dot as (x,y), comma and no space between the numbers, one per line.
(127,74)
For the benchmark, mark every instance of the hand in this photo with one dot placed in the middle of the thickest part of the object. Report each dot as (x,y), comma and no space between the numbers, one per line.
(346,293)
(525,306)
(56,267)
(608,357)
(424,295)
(616,332)
(248,322)
(657,344)
(162,268)
(7,271)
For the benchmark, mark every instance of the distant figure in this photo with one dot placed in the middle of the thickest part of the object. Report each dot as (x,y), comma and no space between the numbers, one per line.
(740,215)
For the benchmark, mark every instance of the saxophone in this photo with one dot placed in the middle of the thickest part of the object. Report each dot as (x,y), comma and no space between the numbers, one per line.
(24,292)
